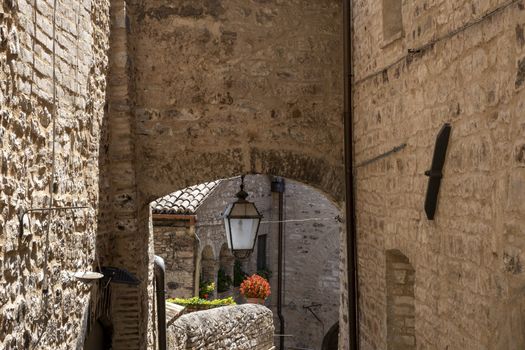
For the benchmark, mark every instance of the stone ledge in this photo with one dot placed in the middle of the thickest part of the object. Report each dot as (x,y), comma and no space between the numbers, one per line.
(239,327)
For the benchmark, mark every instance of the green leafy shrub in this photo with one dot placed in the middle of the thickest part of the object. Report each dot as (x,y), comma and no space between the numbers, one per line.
(207,304)
(238,274)
(205,289)
(265,273)
(223,281)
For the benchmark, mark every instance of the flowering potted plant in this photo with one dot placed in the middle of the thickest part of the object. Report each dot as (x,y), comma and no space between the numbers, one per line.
(255,289)
(206,289)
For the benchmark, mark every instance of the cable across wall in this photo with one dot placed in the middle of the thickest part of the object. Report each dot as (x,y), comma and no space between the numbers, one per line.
(414,51)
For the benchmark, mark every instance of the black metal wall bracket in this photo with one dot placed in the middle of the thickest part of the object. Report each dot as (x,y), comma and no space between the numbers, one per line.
(25,212)
(436,170)
(434,174)
(117,275)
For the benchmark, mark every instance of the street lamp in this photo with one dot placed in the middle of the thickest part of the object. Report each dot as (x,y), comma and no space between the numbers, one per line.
(241,220)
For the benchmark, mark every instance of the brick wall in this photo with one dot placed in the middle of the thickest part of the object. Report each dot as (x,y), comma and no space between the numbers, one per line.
(468,280)
(400,318)
(41,305)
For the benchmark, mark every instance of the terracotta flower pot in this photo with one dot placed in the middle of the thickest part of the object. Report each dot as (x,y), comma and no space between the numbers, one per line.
(255,301)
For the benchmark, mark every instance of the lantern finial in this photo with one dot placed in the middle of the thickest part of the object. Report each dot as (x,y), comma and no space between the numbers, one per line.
(242,194)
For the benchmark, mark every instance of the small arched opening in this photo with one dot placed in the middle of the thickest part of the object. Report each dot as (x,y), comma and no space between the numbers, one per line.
(209,269)
(400,280)
(225,273)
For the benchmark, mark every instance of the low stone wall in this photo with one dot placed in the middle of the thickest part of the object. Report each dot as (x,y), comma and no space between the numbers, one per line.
(238,327)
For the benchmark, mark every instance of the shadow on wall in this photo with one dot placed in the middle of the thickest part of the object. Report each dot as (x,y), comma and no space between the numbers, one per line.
(331,339)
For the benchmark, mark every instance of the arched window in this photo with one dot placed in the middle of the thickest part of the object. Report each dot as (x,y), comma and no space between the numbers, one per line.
(400,279)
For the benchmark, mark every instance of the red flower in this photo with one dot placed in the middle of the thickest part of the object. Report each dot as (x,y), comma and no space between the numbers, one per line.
(255,286)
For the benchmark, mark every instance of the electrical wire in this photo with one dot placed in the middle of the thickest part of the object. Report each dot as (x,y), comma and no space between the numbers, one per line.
(411,52)
(381,156)
(219,221)
(45,283)
(44,317)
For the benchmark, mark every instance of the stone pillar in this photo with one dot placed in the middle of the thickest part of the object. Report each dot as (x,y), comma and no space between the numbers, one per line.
(129,219)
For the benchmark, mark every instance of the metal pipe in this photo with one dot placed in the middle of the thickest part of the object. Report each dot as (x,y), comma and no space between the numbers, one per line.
(351,239)
(25,212)
(278,186)
(197,259)
(160,271)
(45,286)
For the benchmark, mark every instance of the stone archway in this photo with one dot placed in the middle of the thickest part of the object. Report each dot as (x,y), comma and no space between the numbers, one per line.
(195,93)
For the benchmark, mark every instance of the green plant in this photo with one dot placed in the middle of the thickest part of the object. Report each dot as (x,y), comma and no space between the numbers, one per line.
(196,301)
(265,273)
(238,274)
(223,281)
(205,289)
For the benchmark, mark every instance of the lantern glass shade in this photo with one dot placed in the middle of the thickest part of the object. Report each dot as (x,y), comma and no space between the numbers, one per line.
(241,221)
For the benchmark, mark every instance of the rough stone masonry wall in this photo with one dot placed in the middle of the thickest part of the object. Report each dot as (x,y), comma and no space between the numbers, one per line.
(30,71)
(243,327)
(230,87)
(176,245)
(311,283)
(469,277)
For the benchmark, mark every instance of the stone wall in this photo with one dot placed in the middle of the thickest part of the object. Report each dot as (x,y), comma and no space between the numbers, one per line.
(468,276)
(177,246)
(311,265)
(53,67)
(243,327)
(311,283)
(229,87)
